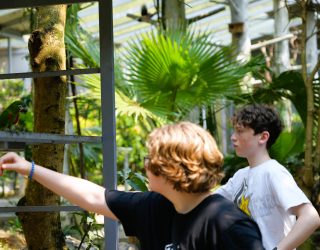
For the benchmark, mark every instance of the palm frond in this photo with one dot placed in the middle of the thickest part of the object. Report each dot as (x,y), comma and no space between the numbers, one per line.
(145,110)
(80,42)
(183,70)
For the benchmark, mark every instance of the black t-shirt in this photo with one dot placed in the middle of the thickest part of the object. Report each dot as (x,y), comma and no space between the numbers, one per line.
(215,224)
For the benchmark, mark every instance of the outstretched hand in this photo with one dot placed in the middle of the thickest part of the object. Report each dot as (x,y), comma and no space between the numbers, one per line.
(13,162)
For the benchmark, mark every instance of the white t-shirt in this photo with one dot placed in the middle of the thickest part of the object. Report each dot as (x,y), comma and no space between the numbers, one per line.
(266,193)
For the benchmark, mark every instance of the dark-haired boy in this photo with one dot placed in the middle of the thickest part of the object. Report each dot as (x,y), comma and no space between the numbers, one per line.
(265,190)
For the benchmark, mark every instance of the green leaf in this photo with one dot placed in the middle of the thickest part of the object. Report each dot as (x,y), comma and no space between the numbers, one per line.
(288,144)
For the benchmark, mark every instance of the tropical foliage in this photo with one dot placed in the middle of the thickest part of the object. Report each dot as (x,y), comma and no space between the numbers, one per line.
(172,74)
(83,47)
(162,77)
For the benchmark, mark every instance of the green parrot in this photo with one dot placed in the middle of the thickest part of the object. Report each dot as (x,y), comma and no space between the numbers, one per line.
(10,116)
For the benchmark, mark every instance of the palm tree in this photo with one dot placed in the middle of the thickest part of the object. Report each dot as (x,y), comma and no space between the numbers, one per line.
(163,76)
(177,72)
(167,74)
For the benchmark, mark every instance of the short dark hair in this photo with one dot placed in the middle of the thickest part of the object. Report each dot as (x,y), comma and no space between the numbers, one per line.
(260,118)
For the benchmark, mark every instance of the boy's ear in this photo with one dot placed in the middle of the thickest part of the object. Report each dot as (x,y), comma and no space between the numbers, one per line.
(264,137)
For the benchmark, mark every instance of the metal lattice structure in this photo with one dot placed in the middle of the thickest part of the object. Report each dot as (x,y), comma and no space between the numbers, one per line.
(211,15)
(107,100)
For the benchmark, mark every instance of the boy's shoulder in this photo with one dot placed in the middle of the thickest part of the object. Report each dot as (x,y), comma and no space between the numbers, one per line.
(272,166)
(271,170)
(220,210)
(242,171)
(218,205)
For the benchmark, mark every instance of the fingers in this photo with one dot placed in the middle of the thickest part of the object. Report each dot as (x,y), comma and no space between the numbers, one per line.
(8,158)
(9,161)
(1,169)
(7,166)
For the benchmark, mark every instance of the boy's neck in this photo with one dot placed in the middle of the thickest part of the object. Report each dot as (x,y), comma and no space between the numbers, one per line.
(258,159)
(185,202)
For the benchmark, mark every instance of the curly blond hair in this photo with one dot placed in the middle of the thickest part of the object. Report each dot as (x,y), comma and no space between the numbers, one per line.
(186,155)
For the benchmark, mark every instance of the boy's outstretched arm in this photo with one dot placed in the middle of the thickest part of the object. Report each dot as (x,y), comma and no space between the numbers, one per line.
(83,193)
(307,222)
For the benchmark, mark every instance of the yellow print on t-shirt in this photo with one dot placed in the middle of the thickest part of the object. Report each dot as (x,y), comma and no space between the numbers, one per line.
(242,199)
(244,205)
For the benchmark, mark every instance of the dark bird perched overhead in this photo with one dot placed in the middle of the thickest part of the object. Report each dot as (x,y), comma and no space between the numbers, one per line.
(145,15)
(144,10)
(10,116)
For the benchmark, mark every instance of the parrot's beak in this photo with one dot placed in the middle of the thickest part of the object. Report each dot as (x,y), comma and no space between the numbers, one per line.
(23,109)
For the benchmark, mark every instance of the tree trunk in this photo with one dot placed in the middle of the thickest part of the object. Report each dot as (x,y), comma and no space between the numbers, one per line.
(309,68)
(238,28)
(174,15)
(281,27)
(242,45)
(47,53)
(282,55)
(308,28)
